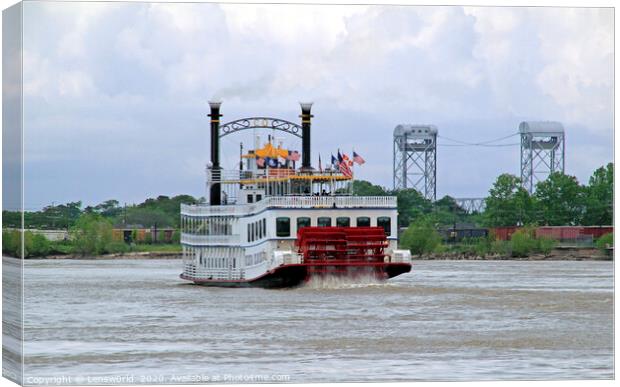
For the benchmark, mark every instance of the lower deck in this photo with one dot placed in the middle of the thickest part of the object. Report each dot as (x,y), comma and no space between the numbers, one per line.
(317,251)
(296,274)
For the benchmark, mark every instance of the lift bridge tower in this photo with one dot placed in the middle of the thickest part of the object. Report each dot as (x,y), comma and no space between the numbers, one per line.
(542,151)
(415,159)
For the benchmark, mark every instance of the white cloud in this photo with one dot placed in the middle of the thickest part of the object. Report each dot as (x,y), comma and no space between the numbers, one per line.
(145,71)
(578,55)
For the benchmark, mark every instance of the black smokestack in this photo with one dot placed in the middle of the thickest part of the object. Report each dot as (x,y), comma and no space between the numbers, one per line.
(215,194)
(305,134)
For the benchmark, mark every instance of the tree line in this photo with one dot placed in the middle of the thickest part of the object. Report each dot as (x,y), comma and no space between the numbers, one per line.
(91,228)
(560,200)
(162,211)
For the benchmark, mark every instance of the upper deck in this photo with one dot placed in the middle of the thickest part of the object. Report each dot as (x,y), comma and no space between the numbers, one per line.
(318,202)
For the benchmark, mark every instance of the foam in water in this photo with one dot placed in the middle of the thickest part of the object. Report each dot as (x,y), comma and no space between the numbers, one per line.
(343,282)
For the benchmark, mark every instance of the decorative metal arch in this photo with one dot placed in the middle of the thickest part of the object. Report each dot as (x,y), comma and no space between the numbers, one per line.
(260,122)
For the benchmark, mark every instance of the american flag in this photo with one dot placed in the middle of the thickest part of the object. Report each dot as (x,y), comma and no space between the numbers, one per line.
(293,156)
(345,169)
(260,162)
(358,159)
(346,159)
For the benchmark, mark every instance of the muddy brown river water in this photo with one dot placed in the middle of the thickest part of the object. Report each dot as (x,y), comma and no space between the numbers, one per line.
(135,321)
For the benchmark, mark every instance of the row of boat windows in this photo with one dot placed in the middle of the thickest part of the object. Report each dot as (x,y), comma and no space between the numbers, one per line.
(257,230)
(250,198)
(283,224)
(225,263)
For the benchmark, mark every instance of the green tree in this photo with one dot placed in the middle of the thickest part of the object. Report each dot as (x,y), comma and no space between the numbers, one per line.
(411,205)
(114,247)
(447,211)
(27,244)
(176,236)
(420,237)
(147,217)
(599,197)
(91,234)
(508,204)
(12,219)
(168,208)
(11,243)
(365,188)
(40,246)
(522,242)
(559,200)
(545,245)
(109,208)
(605,241)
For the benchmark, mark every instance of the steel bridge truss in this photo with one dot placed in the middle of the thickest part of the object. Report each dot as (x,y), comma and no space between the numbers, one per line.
(471,205)
(415,165)
(541,155)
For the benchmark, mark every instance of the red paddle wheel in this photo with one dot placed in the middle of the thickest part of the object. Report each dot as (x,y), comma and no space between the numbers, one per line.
(349,251)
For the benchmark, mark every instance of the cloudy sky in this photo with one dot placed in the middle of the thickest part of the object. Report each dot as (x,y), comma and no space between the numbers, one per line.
(115,94)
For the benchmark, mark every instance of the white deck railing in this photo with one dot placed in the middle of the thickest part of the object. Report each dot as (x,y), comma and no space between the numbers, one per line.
(292,202)
(204,239)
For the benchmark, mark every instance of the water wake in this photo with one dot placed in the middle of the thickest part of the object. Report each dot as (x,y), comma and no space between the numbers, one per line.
(344,282)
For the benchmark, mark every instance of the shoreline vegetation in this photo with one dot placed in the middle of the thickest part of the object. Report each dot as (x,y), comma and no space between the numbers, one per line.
(429,228)
(561,254)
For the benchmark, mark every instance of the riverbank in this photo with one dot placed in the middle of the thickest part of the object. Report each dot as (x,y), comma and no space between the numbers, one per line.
(129,255)
(558,254)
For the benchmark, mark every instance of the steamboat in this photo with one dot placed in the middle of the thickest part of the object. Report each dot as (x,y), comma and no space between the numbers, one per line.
(270,224)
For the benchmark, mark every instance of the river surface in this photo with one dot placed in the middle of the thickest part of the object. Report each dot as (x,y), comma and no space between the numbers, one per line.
(135,321)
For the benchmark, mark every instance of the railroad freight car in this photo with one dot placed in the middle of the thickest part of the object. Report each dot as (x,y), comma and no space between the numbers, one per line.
(503,233)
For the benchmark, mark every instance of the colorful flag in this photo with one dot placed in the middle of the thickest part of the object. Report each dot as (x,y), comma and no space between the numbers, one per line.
(272,163)
(346,159)
(334,162)
(260,162)
(293,155)
(358,159)
(339,157)
(345,169)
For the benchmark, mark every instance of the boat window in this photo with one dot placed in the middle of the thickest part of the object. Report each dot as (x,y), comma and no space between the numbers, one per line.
(249,234)
(303,222)
(283,227)
(324,222)
(264,227)
(363,221)
(250,199)
(252,232)
(259,197)
(386,223)
(343,221)
(257,230)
